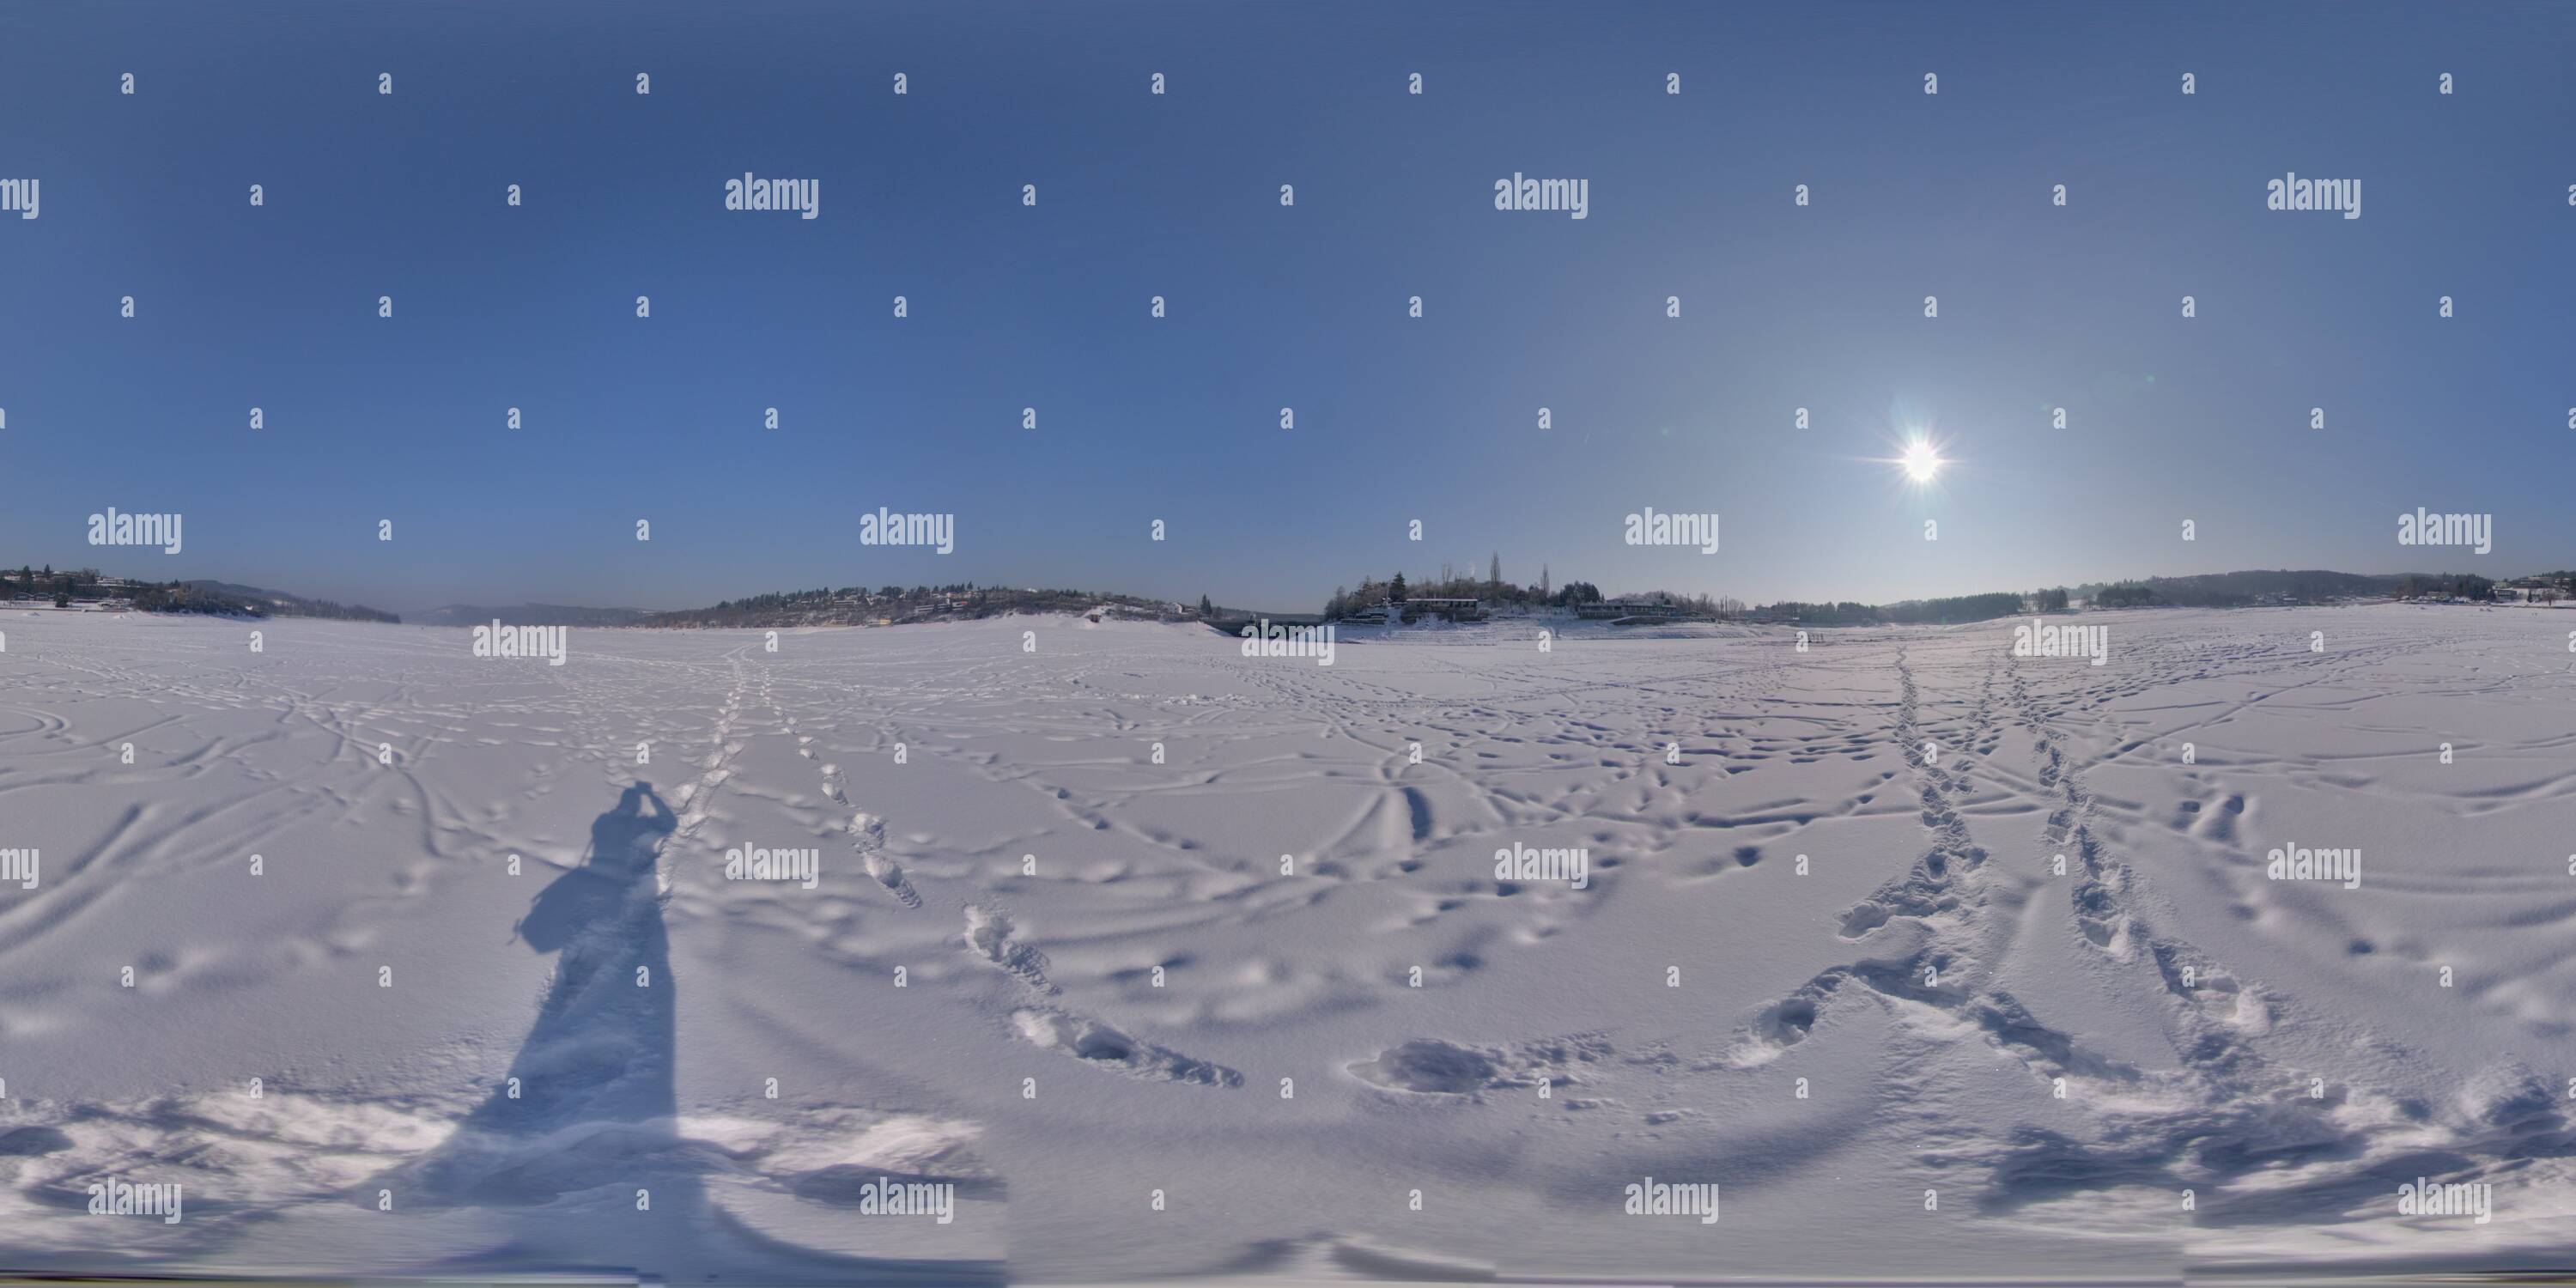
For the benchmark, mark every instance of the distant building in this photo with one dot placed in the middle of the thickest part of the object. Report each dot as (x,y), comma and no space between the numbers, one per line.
(1626,608)
(1456,610)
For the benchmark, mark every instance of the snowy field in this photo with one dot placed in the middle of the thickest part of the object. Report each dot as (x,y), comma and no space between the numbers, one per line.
(1066,975)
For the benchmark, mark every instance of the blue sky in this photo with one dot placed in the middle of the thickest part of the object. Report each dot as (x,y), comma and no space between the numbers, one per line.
(1397,419)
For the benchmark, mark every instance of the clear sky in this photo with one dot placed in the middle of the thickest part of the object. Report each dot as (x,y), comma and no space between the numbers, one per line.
(1396,418)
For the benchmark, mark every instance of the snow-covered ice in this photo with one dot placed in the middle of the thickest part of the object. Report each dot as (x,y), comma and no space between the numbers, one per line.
(1177,962)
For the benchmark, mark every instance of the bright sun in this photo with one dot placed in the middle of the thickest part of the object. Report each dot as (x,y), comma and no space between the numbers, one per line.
(1920,461)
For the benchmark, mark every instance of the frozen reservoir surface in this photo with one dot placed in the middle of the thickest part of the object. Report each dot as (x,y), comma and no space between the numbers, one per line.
(1137,957)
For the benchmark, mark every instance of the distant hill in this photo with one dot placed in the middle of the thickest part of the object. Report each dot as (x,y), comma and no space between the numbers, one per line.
(228,597)
(860,606)
(235,590)
(528,615)
(220,598)
(2232,589)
